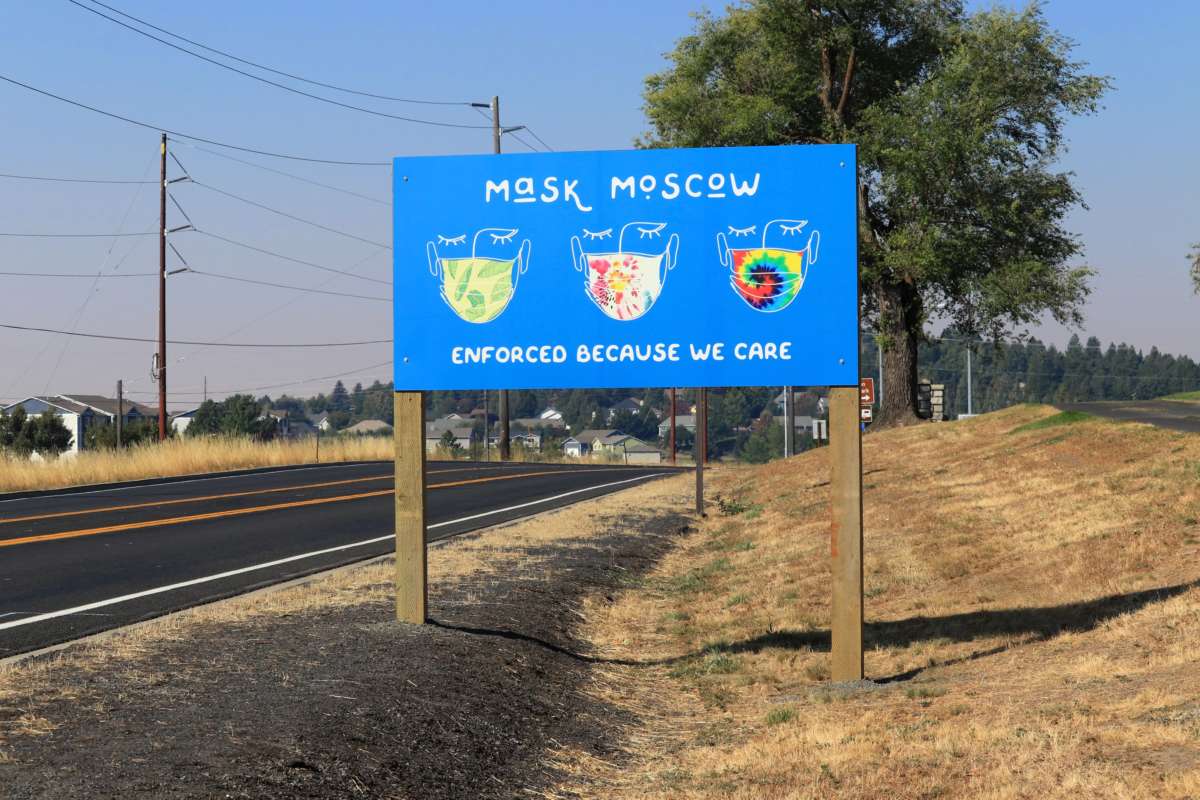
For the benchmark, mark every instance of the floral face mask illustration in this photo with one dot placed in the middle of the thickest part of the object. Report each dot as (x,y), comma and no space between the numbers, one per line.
(769,278)
(624,284)
(479,286)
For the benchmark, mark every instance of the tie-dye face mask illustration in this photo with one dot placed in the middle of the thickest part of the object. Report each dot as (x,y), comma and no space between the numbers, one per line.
(478,286)
(626,283)
(769,278)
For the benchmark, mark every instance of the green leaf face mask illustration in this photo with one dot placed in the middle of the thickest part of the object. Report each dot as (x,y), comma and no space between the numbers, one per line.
(478,289)
(480,286)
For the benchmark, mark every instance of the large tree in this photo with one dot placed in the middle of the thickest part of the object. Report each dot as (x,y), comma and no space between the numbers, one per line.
(1195,259)
(958,121)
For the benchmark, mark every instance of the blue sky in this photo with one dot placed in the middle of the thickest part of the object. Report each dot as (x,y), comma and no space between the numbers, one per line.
(571,72)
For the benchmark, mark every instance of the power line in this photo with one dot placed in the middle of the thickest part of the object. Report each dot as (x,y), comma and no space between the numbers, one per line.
(300,178)
(540,139)
(115,338)
(297,298)
(264,251)
(286,286)
(78,275)
(293,217)
(286,88)
(194,138)
(514,135)
(70,180)
(76,235)
(281,72)
(290,383)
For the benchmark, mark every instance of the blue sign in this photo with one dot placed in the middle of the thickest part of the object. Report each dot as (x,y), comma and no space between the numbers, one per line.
(728,266)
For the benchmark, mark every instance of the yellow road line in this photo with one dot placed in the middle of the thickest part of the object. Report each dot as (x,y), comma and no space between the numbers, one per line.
(224,496)
(201,499)
(237,512)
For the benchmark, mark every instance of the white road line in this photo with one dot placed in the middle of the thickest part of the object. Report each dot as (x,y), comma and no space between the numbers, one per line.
(242,570)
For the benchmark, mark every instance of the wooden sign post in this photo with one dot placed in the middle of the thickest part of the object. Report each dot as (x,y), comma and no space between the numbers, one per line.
(412,589)
(846,533)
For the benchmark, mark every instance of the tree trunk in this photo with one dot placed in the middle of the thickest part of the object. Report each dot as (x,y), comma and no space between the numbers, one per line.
(900,325)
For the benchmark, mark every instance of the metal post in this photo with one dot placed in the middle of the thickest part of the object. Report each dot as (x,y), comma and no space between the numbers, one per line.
(846,536)
(487,428)
(970,405)
(318,459)
(411,568)
(162,293)
(789,422)
(701,446)
(672,442)
(120,414)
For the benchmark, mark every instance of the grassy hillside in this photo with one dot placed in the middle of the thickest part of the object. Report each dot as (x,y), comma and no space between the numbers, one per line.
(1033,608)
(1183,396)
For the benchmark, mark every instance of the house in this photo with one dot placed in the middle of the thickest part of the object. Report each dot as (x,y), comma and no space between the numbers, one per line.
(538,424)
(283,422)
(302,429)
(587,441)
(682,422)
(181,421)
(76,416)
(464,435)
(552,414)
(638,452)
(79,412)
(630,404)
(368,427)
(804,424)
(323,423)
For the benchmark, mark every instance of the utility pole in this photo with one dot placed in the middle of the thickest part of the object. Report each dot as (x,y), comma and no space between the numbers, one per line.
(970,405)
(673,412)
(120,414)
(162,293)
(789,422)
(701,447)
(205,388)
(504,449)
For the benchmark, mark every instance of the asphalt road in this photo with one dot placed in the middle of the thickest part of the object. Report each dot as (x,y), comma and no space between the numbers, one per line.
(1177,415)
(72,564)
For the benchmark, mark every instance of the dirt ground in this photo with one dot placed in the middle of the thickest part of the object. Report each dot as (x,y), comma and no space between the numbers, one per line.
(316,691)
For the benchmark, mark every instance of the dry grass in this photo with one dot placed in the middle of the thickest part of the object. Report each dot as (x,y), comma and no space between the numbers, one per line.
(185,456)
(1033,611)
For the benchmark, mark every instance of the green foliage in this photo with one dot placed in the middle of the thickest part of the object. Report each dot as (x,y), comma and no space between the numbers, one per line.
(339,400)
(1057,420)
(765,443)
(780,715)
(958,119)
(1011,373)
(1194,258)
(449,445)
(104,437)
(44,434)
(237,415)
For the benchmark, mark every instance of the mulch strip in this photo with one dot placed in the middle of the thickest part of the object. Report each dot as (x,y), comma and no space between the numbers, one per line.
(348,703)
